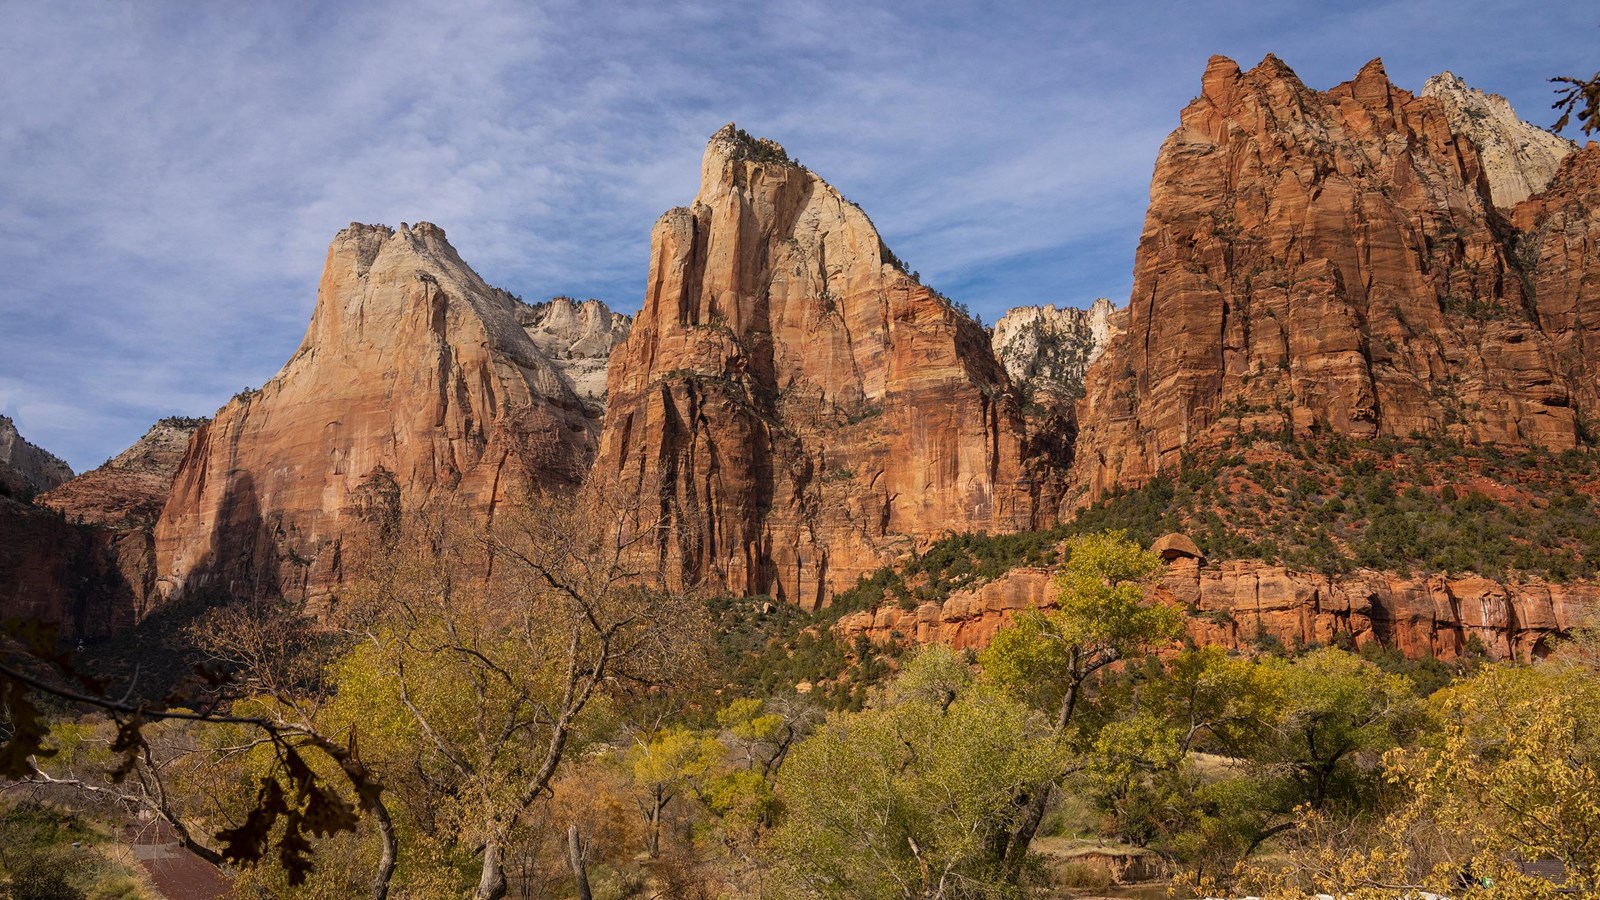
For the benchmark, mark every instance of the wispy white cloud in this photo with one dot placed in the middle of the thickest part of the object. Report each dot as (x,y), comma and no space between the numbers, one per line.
(170,173)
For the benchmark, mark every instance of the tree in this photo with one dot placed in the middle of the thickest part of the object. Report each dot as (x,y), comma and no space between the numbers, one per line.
(500,643)
(907,798)
(294,800)
(1581,97)
(673,761)
(1047,658)
(1142,772)
(1313,719)
(1510,773)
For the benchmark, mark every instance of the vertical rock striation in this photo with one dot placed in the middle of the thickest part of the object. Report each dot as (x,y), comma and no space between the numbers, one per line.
(1558,248)
(1318,262)
(791,408)
(415,380)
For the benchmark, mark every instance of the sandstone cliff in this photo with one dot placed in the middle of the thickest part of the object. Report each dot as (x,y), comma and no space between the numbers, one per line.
(578,339)
(1519,158)
(415,379)
(1046,350)
(791,408)
(1321,262)
(1237,604)
(1559,250)
(25,469)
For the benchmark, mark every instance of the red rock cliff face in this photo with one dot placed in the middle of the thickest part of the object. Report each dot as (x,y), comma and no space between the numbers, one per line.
(1322,261)
(792,409)
(414,379)
(1234,603)
(1559,248)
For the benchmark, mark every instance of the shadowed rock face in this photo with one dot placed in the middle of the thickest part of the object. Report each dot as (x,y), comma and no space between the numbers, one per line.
(1318,262)
(86,580)
(1519,158)
(26,469)
(791,406)
(1559,250)
(415,379)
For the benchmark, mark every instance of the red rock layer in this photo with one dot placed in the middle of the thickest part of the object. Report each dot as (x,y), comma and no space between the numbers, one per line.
(791,408)
(1318,261)
(414,380)
(1236,603)
(1559,249)
(129,490)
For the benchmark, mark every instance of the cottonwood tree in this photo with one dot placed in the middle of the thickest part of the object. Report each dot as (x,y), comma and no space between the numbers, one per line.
(500,643)
(1509,773)
(906,798)
(672,762)
(1048,658)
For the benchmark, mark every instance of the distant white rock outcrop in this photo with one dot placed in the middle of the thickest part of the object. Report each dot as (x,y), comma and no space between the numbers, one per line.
(1519,157)
(577,337)
(1046,350)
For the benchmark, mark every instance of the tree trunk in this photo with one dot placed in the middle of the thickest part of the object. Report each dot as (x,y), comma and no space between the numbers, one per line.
(1033,815)
(492,884)
(389,854)
(580,872)
(652,838)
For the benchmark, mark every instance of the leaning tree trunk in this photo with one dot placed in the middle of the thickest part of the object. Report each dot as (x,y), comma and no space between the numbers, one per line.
(492,883)
(389,854)
(580,872)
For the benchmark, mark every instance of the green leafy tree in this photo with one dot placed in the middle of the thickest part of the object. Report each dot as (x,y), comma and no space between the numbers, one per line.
(1047,658)
(672,762)
(909,798)
(1509,773)
(499,647)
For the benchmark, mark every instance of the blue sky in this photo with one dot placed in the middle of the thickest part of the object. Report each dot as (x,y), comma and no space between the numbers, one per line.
(170,174)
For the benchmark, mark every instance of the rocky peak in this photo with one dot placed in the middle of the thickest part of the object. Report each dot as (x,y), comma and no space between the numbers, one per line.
(578,339)
(415,380)
(734,143)
(799,409)
(130,488)
(1046,350)
(26,469)
(1317,262)
(1519,158)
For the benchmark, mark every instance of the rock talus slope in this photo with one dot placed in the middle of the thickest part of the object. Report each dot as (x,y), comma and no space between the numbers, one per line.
(793,410)
(131,488)
(415,378)
(1318,262)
